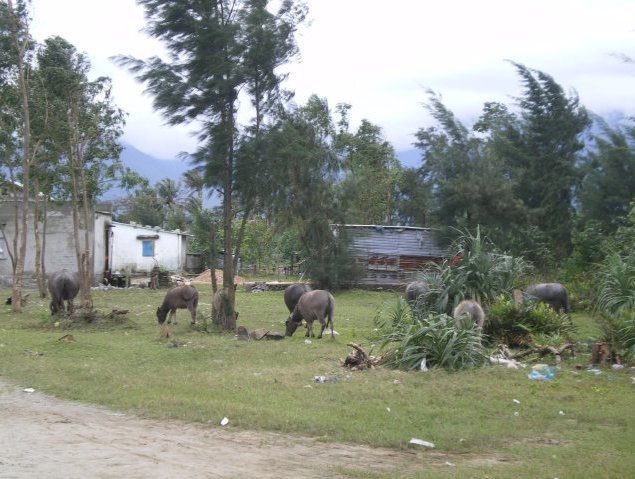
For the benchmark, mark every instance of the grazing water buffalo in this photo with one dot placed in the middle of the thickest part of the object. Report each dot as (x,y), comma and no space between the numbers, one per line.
(317,304)
(63,286)
(292,294)
(416,290)
(554,294)
(181,297)
(471,308)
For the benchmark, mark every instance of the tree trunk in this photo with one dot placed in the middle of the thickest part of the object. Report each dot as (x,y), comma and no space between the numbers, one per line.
(21,232)
(39,239)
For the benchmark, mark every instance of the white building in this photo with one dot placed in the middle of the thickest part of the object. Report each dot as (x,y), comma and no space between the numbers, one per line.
(135,248)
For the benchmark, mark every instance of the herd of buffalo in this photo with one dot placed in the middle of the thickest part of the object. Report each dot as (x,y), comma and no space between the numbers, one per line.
(302,302)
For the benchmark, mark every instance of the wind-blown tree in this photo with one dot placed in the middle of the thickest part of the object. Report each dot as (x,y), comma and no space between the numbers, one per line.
(302,174)
(214,53)
(16,52)
(372,171)
(84,132)
(414,199)
(608,186)
(543,148)
(469,183)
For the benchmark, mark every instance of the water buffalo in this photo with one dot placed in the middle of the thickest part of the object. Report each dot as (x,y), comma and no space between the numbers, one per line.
(317,304)
(63,286)
(554,294)
(415,291)
(292,294)
(472,309)
(181,297)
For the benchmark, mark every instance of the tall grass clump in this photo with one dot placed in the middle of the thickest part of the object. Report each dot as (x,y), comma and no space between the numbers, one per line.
(615,303)
(477,271)
(526,323)
(434,340)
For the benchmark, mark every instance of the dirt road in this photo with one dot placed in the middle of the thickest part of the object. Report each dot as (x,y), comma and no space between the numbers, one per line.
(45,437)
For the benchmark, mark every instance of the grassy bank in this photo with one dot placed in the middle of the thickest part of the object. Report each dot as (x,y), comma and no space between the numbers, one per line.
(578,425)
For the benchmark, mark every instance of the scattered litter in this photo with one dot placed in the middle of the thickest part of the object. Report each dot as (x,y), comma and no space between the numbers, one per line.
(516,401)
(325,379)
(542,372)
(224,422)
(617,366)
(516,413)
(396,382)
(308,386)
(420,442)
(307,341)
(28,352)
(595,371)
(29,390)
(510,363)
(561,413)
(448,463)
(423,366)
(388,409)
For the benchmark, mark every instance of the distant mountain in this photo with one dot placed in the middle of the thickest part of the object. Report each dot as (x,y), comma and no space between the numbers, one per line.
(153,168)
(149,167)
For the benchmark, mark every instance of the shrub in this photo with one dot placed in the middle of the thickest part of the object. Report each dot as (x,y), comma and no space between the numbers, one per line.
(522,324)
(615,303)
(477,272)
(435,338)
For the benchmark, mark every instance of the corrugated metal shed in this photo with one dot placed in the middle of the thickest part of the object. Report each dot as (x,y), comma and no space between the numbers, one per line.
(390,255)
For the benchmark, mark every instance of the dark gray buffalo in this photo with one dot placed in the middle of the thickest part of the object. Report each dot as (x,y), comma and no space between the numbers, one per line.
(292,294)
(415,291)
(312,305)
(63,286)
(181,297)
(554,294)
(471,309)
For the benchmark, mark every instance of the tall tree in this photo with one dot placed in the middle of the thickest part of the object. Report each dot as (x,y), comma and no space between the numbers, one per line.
(373,171)
(85,132)
(16,52)
(469,183)
(608,186)
(214,53)
(544,147)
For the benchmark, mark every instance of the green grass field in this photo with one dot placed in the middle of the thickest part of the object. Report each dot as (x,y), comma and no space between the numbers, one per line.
(578,425)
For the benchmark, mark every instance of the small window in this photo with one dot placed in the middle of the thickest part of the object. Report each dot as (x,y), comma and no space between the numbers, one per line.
(148,247)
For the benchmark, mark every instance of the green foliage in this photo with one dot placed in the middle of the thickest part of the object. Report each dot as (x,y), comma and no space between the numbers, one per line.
(328,261)
(615,302)
(608,186)
(372,171)
(525,323)
(477,271)
(435,339)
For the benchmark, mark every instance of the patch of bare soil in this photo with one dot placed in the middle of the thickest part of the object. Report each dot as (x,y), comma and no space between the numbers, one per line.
(42,436)
(206,277)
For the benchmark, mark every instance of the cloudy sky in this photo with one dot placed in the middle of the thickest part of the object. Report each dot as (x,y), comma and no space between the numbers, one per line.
(381,57)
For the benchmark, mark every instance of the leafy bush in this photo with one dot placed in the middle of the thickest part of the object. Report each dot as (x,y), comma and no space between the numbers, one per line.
(477,272)
(615,303)
(435,338)
(525,323)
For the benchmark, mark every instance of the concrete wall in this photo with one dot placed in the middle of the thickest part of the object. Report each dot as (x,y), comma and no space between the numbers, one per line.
(59,246)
